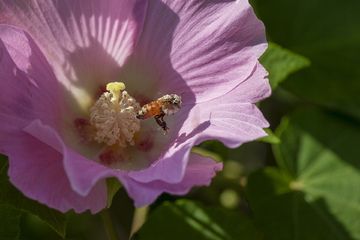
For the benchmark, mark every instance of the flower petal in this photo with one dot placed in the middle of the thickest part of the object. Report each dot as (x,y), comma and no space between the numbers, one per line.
(199,172)
(27,56)
(33,94)
(24,98)
(92,173)
(86,42)
(202,48)
(169,168)
(195,54)
(36,169)
(71,158)
(231,118)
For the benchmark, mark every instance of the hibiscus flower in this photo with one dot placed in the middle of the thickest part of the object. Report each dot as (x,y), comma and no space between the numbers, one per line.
(56,60)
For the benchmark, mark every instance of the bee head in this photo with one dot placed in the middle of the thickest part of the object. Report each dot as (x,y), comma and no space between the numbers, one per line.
(176,100)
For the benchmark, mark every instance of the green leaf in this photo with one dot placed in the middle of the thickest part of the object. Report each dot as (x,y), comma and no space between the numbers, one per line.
(271,138)
(327,32)
(315,192)
(207,153)
(9,222)
(280,62)
(113,185)
(188,220)
(10,195)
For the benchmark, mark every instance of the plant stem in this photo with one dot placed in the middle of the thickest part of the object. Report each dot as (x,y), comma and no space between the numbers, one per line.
(138,219)
(109,226)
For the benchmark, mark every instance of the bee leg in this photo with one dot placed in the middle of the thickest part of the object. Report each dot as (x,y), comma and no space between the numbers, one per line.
(160,121)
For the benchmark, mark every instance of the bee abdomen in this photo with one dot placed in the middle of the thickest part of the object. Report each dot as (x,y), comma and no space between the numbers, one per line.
(148,110)
(140,115)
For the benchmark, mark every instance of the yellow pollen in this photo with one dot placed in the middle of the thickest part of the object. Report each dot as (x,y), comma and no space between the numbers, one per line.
(115,86)
(113,116)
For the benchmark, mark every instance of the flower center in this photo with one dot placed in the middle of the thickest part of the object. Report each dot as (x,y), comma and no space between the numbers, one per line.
(113,116)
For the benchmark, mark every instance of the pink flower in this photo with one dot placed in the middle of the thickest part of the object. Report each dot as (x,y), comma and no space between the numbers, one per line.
(56,62)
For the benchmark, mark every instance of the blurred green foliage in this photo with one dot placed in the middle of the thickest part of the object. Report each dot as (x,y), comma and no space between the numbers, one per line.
(9,222)
(270,138)
(313,193)
(184,219)
(10,195)
(113,185)
(328,34)
(280,63)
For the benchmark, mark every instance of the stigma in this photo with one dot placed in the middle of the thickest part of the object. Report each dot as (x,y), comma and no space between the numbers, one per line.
(113,116)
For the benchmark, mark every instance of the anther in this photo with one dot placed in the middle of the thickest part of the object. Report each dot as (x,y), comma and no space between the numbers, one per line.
(113,116)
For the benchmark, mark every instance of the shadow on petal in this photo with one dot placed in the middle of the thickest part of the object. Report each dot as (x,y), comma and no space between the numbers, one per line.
(200,128)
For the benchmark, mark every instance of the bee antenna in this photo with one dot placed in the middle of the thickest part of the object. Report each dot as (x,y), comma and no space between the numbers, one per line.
(181,96)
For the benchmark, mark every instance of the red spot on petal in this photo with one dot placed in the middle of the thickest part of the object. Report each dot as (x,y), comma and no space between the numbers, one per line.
(80,122)
(141,99)
(145,145)
(146,142)
(100,91)
(84,128)
(108,158)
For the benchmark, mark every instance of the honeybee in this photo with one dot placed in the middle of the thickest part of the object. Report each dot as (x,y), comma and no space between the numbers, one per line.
(168,104)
